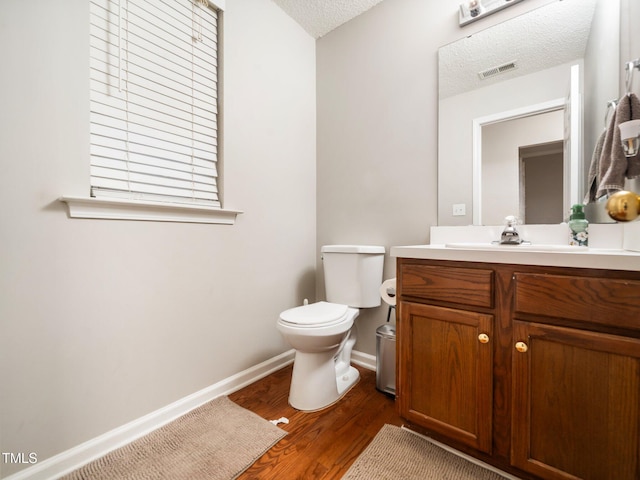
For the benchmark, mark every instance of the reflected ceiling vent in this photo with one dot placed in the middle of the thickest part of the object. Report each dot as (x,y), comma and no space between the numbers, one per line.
(493,71)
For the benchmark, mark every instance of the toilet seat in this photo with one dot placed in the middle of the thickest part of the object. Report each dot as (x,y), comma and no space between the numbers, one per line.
(319,314)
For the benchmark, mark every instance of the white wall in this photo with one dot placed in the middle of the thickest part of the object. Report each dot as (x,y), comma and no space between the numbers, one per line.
(102,322)
(377,128)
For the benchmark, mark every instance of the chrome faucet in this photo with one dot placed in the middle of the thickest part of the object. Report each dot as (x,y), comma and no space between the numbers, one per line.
(510,235)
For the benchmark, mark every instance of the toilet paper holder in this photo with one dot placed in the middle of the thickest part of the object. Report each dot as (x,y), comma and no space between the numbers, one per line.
(391,307)
(388,294)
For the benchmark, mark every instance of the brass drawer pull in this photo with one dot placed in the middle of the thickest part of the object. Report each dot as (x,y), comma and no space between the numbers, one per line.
(521,347)
(483,338)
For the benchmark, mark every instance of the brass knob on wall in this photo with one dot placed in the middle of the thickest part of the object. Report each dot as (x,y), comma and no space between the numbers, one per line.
(623,206)
(483,338)
(521,347)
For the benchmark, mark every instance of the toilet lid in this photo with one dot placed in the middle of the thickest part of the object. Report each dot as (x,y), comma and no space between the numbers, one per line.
(315,314)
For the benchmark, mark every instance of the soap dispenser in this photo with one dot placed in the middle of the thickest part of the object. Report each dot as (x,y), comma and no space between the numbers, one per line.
(579,226)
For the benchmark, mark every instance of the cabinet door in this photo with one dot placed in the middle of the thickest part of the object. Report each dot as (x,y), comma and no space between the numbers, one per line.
(576,403)
(445,372)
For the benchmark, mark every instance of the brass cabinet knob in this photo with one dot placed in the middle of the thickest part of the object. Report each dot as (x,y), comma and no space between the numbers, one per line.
(521,347)
(483,338)
(623,206)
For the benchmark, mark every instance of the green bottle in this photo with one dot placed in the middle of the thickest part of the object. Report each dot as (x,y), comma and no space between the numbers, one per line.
(579,226)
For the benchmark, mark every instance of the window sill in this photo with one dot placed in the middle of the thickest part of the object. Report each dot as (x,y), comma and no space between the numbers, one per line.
(119,209)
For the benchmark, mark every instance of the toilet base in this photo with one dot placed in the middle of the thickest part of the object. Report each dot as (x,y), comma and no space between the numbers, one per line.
(348,380)
(315,384)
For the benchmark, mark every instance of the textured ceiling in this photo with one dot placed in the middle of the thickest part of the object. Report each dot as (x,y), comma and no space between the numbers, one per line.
(319,17)
(548,36)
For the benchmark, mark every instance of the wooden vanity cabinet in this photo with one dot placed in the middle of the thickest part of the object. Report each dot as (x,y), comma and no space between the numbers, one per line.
(533,369)
(576,391)
(576,403)
(446,371)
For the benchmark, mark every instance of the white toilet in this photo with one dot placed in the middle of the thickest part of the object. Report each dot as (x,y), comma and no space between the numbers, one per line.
(322,333)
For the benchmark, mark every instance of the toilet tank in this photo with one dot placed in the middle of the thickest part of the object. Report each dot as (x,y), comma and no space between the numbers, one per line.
(353,274)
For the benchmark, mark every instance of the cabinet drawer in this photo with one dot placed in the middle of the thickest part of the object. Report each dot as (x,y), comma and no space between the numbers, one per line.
(600,301)
(465,286)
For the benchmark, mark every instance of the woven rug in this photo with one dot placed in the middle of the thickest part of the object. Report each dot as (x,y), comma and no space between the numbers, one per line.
(396,454)
(217,441)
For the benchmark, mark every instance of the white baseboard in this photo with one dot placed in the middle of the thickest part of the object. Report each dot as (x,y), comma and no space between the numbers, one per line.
(364,360)
(86,452)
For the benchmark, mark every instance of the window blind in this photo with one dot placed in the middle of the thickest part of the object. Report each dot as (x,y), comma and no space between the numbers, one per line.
(153,98)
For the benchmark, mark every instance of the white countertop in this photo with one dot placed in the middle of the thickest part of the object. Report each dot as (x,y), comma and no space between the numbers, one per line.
(611,259)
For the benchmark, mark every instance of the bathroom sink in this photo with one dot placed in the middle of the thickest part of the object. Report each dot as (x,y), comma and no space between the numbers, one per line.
(521,247)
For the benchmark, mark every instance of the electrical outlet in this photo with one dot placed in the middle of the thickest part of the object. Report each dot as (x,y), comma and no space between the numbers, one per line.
(459,209)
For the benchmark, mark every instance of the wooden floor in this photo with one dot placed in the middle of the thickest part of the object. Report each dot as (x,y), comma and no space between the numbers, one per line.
(319,445)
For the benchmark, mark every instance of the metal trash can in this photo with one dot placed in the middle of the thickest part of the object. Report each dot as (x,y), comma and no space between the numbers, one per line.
(386,359)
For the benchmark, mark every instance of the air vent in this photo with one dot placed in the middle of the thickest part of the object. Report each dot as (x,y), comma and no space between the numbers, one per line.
(491,72)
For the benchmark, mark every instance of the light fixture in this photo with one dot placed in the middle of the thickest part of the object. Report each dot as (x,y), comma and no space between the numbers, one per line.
(472,10)
(474,7)
(630,137)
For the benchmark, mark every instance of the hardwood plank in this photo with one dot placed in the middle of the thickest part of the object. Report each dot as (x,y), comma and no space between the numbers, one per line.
(319,445)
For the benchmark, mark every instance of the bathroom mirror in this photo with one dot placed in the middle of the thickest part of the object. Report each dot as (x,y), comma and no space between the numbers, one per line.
(499,89)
